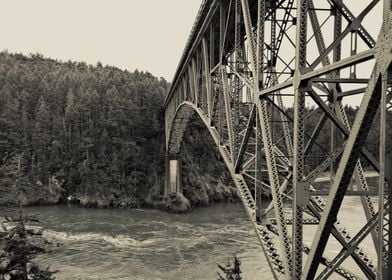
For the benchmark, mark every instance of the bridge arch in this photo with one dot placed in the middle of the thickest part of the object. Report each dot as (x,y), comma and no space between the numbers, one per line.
(175,131)
(178,126)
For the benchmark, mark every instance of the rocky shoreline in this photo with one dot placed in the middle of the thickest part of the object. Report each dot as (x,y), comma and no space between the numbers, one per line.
(55,194)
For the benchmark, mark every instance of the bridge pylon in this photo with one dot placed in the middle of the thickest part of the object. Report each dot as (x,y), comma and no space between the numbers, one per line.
(173,174)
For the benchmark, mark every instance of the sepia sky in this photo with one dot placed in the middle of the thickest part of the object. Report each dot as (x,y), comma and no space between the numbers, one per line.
(130,34)
(147,35)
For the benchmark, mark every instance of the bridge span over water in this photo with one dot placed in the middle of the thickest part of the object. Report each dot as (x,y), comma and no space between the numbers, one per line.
(269,79)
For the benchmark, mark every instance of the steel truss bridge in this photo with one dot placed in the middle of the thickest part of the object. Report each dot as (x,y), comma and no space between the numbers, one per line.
(268,79)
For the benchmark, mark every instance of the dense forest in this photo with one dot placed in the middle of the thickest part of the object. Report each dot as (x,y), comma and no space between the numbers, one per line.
(96,134)
(93,133)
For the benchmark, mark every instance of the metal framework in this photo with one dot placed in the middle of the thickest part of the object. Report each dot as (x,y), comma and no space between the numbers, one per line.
(268,79)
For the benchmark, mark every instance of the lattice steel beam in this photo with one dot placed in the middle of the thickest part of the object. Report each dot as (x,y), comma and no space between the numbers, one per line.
(240,80)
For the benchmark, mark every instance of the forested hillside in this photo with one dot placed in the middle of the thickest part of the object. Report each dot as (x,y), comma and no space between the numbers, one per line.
(91,132)
(96,133)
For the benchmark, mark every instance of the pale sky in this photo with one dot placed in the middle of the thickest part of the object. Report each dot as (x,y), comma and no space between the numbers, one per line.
(129,34)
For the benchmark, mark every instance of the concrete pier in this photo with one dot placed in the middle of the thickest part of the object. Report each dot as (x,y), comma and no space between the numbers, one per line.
(173,177)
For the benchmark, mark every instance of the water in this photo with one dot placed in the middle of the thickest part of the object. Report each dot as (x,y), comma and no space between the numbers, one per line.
(149,244)
(152,244)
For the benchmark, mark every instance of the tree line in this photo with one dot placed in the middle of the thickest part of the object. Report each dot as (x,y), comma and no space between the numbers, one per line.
(91,127)
(99,131)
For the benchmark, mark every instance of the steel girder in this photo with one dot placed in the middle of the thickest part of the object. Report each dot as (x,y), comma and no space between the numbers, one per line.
(260,74)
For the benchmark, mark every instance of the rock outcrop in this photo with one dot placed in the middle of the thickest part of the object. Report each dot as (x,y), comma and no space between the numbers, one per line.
(27,193)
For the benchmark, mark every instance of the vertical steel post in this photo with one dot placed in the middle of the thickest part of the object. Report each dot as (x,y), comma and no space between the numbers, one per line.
(272,64)
(337,53)
(239,68)
(258,81)
(207,77)
(384,258)
(381,264)
(300,195)
(258,171)
(222,20)
(211,66)
(384,261)
(260,46)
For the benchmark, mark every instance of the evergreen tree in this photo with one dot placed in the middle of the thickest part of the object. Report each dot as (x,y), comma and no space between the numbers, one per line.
(231,271)
(42,139)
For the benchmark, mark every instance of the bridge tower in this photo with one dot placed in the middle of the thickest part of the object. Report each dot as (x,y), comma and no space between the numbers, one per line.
(297,96)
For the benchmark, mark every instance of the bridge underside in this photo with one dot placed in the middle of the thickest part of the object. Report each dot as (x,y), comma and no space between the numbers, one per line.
(271,81)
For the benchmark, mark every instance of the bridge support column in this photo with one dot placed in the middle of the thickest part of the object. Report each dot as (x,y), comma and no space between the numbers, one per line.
(173,176)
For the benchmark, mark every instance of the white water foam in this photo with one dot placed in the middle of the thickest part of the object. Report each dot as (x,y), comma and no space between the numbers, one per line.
(120,241)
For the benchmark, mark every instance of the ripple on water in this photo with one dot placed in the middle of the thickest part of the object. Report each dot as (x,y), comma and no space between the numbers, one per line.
(149,244)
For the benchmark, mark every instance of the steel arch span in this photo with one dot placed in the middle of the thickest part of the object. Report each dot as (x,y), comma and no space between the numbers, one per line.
(270,80)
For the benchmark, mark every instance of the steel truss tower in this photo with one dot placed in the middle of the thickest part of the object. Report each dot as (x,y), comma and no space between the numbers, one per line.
(270,80)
